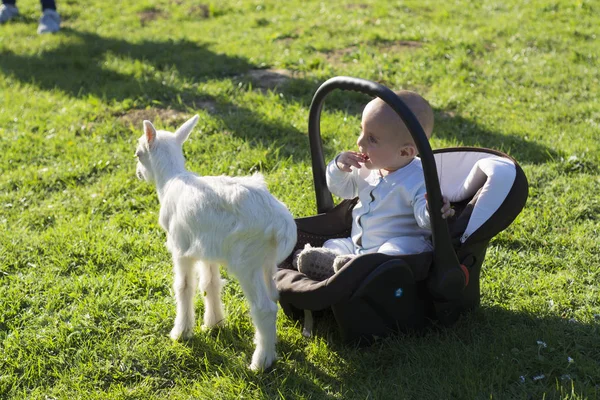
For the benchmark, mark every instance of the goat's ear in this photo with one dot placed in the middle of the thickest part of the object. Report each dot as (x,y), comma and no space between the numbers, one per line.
(150,132)
(184,130)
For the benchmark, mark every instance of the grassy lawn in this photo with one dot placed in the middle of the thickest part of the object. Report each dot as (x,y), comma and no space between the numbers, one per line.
(85,279)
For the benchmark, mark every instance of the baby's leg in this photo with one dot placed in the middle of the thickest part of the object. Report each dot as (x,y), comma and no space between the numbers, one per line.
(344,248)
(340,246)
(405,245)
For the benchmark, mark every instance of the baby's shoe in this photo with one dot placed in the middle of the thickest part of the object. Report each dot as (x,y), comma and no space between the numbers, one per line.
(316,263)
(50,22)
(340,261)
(297,254)
(8,12)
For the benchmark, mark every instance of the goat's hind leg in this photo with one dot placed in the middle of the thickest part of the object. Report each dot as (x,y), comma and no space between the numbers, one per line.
(211,285)
(264,317)
(185,285)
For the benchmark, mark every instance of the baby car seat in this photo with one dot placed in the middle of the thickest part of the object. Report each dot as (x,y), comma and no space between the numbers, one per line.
(375,294)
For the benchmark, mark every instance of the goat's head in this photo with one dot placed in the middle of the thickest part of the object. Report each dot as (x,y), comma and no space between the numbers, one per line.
(159,152)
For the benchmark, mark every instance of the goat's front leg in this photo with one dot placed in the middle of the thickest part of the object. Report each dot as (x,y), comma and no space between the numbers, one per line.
(211,285)
(185,285)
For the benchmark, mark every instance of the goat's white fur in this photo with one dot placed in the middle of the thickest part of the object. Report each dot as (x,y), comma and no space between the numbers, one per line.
(212,221)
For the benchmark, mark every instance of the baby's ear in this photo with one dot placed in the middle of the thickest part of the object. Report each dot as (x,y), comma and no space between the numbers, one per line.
(408,151)
(150,132)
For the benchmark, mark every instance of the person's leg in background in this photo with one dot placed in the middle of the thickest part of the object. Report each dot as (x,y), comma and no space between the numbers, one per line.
(50,20)
(8,10)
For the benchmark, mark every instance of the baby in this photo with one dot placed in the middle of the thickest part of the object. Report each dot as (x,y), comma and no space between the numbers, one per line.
(391,216)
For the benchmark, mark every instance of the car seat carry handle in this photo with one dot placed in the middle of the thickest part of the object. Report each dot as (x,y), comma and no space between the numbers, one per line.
(447,278)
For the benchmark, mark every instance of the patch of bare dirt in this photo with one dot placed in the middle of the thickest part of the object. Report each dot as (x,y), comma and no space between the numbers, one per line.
(287,41)
(150,15)
(355,6)
(288,38)
(446,114)
(341,56)
(269,78)
(401,45)
(207,105)
(167,116)
(338,56)
(200,10)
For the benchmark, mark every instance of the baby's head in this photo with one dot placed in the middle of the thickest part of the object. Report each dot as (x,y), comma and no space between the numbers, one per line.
(385,140)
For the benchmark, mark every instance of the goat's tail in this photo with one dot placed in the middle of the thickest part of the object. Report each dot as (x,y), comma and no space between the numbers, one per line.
(284,240)
(286,235)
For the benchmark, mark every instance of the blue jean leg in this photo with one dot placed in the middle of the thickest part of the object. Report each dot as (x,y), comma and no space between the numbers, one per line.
(45,4)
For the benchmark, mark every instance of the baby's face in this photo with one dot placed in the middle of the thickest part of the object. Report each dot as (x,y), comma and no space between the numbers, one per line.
(379,140)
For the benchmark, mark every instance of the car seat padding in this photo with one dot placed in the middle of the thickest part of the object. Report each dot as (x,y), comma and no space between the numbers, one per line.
(307,294)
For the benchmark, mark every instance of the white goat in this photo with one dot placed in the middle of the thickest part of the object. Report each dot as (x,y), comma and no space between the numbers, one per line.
(212,221)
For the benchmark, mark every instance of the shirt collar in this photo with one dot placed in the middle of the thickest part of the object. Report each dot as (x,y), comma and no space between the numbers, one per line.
(399,172)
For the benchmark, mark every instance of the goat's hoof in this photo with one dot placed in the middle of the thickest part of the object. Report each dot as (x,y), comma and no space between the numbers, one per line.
(207,328)
(181,333)
(261,360)
(213,321)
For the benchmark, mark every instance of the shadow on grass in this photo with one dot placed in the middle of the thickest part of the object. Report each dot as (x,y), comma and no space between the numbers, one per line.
(91,65)
(469,133)
(490,353)
(222,352)
(82,68)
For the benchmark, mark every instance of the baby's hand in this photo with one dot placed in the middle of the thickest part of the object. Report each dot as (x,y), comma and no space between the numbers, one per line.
(447,210)
(349,159)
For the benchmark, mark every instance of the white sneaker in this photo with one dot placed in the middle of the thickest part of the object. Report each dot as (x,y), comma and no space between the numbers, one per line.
(50,22)
(8,12)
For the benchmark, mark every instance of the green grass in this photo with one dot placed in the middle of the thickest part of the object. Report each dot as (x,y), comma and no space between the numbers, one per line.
(85,283)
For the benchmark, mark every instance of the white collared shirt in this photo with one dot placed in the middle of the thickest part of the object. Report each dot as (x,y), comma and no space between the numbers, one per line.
(389,206)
